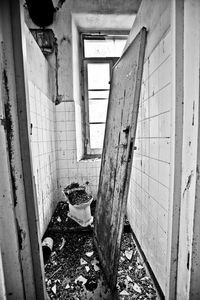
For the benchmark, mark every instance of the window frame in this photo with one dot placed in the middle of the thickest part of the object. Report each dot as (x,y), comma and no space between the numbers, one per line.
(88,151)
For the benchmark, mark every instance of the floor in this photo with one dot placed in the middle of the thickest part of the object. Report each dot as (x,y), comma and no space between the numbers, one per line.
(73,271)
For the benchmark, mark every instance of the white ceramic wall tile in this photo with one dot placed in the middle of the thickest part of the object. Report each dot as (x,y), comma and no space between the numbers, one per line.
(164,125)
(153,188)
(61,136)
(153,169)
(164,99)
(154,105)
(164,73)
(145,182)
(164,173)
(145,202)
(164,149)
(154,148)
(163,218)
(145,146)
(154,129)
(162,243)
(153,208)
(61,126)
(60,116)
(151,238)
(163,196)
(60,107)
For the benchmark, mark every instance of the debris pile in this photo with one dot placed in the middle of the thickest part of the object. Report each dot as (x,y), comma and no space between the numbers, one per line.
(133,281)
(73,270)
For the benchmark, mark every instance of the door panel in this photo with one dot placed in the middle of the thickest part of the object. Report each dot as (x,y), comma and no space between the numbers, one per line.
(117,155)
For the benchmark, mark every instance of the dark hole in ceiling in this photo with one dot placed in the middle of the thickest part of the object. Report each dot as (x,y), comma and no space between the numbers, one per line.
(41,12)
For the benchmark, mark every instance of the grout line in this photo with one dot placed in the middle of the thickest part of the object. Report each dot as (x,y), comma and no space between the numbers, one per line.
(155,93)
(151,196)
(149,76)
(162,113)
(157,159)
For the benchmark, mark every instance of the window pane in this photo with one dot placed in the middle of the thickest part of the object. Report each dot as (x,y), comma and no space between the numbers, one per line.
(98,94)
(104,48)
(98,76)
(97,110)
(96,135)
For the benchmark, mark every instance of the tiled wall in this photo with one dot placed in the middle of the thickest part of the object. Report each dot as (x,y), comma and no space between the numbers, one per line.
(43,152)
(42,124)
(69,168)
(150,179)
(56,159)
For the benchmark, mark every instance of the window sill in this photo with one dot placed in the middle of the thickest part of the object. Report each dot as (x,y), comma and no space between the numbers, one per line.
(91,157)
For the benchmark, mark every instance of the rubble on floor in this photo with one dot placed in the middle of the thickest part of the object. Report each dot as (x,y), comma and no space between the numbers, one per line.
(73,270)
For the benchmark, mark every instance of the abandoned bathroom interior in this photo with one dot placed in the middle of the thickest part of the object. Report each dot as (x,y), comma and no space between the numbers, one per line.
(52,120)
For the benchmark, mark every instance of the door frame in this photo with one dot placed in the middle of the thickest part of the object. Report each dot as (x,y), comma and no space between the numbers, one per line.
(24,240)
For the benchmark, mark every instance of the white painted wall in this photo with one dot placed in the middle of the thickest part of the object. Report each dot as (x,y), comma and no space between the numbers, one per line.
(42,120)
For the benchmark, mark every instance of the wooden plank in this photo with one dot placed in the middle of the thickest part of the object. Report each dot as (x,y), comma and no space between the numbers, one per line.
(188,273)
(14,234)
(19,53)
(177,29)
(117,155)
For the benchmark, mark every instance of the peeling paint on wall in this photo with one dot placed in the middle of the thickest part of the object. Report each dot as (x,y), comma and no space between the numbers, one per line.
(198,172)
(8,125)
(188,183)
(21,235)
(193,111)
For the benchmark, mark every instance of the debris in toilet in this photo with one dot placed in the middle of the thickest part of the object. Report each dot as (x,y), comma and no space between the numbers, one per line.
(76,194)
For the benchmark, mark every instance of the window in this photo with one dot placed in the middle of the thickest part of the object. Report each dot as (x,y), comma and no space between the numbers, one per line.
(100,53)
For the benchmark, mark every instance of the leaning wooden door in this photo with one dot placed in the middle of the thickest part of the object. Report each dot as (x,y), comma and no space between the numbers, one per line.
(117,155)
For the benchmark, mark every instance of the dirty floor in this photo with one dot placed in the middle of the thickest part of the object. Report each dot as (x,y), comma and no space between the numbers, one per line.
(73,271)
